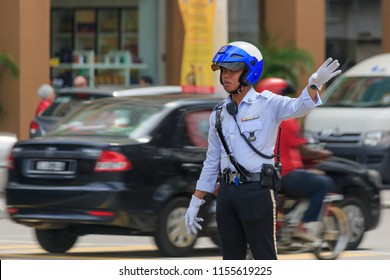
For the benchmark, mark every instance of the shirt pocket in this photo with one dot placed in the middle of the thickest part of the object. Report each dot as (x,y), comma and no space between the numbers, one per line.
(253,130)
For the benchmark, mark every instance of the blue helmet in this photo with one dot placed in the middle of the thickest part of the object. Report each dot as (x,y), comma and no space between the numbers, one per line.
(238,55)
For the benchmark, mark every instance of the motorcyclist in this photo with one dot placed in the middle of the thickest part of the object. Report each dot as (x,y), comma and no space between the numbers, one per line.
(297,182)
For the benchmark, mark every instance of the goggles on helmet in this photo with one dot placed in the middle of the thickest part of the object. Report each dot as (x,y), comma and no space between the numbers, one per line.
(234,66)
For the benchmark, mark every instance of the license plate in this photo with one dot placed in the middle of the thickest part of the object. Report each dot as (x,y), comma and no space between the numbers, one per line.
(50,166)
(39,166)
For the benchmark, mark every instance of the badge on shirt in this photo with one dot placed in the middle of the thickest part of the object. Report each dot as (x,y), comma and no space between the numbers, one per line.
(252,136)
(250,118)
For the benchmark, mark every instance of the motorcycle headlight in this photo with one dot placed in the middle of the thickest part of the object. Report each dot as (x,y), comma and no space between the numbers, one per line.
(376,138)
(312,140)
(310,136)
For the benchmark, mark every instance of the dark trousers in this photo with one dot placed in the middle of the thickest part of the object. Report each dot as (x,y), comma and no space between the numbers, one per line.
(246,214)
(305,184)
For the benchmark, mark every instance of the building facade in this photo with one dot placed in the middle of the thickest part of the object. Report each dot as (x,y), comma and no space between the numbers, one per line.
(35,31)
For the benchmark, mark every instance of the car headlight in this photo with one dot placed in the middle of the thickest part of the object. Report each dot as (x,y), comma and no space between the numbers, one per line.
(375,177)
(376,138)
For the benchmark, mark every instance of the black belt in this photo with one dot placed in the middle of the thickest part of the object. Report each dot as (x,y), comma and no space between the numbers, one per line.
(235,177)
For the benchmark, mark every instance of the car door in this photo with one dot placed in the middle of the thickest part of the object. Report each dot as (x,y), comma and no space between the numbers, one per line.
(191,141)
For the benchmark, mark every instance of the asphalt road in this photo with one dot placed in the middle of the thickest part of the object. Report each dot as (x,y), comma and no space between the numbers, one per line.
(18,242)
(385,196)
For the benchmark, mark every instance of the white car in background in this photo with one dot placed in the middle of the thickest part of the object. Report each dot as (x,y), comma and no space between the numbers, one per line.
(7,140)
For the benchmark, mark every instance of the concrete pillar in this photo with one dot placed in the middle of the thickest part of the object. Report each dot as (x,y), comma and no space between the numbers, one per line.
(25,35)
(174,42)
(297,22)
(385,25)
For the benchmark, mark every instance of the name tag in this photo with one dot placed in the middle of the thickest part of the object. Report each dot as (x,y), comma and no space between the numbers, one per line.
(250,118)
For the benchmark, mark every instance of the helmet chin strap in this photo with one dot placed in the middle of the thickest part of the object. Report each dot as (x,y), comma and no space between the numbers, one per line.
(238,90)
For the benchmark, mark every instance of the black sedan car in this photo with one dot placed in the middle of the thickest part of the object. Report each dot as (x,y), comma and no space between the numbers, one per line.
(118,166)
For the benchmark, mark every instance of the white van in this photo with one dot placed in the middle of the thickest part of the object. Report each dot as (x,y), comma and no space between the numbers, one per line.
(354,120)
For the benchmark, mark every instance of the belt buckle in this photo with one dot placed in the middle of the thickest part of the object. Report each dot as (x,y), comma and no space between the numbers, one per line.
(233,176)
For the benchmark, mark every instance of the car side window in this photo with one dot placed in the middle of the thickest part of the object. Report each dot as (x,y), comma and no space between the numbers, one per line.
(197,127)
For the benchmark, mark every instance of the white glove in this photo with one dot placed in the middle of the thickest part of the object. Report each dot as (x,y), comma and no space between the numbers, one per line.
(190,219)
(324,73)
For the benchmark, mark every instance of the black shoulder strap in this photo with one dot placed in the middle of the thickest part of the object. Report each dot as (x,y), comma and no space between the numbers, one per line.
(254,149)
(218,126)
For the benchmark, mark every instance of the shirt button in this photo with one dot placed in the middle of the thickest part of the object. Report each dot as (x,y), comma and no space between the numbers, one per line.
(231,131)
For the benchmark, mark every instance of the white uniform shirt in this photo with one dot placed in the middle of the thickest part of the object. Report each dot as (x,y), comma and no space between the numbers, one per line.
(259,114)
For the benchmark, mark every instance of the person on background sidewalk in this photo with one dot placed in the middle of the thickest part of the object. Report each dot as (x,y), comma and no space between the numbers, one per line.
(145,81)
(46,94)
(80,81)
(241,141)
(296,181)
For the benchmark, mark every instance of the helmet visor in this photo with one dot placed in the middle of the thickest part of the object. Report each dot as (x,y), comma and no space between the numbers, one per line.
(234,66)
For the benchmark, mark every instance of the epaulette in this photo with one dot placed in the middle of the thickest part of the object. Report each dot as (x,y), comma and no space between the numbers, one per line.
(266,94)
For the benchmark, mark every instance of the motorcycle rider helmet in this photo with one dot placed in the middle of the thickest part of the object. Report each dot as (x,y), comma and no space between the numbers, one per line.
(238,55)
(276,85)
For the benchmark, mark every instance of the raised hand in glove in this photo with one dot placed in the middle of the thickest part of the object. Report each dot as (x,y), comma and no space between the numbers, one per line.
(191,220)
(326,72)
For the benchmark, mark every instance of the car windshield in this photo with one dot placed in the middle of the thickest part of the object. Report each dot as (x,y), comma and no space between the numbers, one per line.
(63,103)
(117,120)
(358,92)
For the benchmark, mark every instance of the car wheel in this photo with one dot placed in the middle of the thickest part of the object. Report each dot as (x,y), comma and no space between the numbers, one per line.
(171,236)
(356,212)
(55,240)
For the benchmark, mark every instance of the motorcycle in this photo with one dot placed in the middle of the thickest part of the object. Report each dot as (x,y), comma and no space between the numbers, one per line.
(358,197)
(332,229)
(360,187)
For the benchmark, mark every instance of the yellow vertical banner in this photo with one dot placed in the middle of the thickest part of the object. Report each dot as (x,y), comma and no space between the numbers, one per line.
(199,18)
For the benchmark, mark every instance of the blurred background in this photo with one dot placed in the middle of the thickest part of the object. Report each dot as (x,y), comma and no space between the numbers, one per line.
(44,37)
(122,46)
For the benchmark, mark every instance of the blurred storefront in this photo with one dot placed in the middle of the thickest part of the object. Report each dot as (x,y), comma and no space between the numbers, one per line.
(110,42)
(115,42)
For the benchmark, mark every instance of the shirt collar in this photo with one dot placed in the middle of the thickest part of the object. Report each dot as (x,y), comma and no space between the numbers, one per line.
(249,97)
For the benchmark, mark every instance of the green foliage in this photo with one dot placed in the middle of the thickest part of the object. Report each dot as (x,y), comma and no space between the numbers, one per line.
(10,64)
(287,62)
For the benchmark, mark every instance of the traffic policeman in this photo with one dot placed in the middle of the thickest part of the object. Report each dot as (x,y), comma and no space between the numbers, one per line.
(242,147)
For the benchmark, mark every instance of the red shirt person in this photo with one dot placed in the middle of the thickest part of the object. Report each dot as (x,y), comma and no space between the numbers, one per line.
(296,181)
(294,151)
(289,146)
